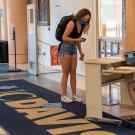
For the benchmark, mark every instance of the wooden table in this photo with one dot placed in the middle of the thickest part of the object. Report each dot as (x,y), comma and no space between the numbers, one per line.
(100,72)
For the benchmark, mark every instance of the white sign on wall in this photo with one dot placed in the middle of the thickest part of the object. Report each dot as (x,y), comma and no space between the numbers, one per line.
(32,40)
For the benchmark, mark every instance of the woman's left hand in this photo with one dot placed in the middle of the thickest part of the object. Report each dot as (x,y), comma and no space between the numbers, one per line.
(82,56)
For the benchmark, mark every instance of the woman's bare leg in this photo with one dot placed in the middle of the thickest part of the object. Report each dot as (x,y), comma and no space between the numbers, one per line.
(73,65)
(65,61)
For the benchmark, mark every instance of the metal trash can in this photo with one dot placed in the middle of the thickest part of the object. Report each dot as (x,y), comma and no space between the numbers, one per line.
(3,51)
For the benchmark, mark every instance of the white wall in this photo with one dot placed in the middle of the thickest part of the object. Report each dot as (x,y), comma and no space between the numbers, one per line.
(48,36)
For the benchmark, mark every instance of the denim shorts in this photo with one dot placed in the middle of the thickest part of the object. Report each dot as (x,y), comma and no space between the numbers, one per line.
(68,49)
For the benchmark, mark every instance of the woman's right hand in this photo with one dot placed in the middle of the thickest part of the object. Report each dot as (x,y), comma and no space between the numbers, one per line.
(79,40)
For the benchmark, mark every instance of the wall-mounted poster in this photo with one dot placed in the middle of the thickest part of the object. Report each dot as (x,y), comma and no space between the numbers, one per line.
(55,60)
(43,12)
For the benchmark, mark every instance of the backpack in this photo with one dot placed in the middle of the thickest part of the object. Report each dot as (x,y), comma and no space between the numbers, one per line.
(62,26)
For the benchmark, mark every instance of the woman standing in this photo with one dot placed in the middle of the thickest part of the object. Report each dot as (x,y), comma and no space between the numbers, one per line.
(71,40)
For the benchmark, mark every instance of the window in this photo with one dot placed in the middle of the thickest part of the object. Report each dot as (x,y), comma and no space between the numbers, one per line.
(43,12)
(111,18)
(111,27)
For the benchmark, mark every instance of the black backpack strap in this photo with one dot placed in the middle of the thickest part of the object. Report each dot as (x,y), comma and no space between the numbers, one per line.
(58,51)
(59,46)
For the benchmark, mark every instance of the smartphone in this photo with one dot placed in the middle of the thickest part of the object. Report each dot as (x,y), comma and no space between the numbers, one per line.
(84,39)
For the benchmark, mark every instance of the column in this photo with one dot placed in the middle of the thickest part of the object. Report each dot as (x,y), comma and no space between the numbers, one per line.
(4,34)
(17,17)
(129,44)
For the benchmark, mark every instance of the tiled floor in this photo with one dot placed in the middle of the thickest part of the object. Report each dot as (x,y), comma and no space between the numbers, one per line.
(57,78)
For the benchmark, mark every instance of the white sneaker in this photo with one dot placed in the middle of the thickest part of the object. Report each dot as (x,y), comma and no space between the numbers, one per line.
(66,99)
(76,98)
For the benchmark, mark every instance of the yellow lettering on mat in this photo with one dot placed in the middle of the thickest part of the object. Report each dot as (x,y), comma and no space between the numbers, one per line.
(72,129)
(32,107)
(40,112)
(29,103)
(58,119)
(18,92)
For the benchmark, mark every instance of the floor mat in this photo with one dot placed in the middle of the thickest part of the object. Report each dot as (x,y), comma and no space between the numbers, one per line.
(22,113)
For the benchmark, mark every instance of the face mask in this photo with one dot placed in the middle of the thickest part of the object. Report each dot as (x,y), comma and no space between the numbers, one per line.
(83,22)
